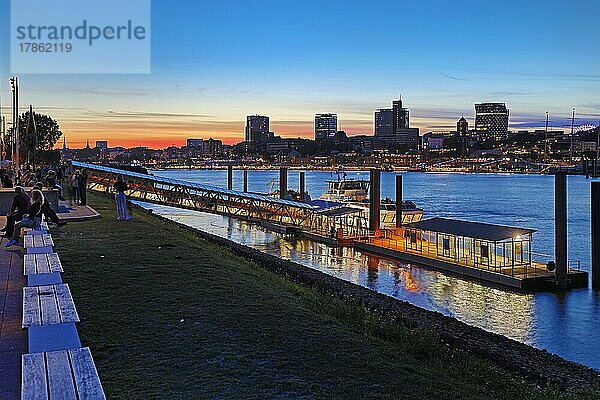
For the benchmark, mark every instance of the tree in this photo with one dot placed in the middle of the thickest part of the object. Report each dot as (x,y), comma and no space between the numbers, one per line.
(43,137)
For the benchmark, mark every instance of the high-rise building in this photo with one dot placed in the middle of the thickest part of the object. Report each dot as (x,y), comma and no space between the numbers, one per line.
(392,126)
(210,147)
(325,126)
(257,128)
(400,119)
(491,121)
(462,135)
(384,122)
(195,143)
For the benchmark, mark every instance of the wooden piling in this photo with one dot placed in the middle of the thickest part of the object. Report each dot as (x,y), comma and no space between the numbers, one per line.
(302,186)
(283,183)
(230,177)
(595,234)
(375,200)
(398,201)
(560,228)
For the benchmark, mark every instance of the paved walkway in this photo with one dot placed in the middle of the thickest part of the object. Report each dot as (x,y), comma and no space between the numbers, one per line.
(13,340)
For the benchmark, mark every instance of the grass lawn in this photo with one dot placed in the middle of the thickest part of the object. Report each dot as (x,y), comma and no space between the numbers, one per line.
(168,315)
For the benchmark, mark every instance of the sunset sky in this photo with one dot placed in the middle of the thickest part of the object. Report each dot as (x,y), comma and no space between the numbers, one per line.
(213,63)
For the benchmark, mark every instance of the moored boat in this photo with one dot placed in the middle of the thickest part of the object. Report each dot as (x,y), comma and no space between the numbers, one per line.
(356,192)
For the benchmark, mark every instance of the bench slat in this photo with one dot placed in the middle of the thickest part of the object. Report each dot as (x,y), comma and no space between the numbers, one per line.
(54,261)
(67,306)
(33,384)
(28,241)
(29,264)
(38,240)
(43,266)
(60,378)
(47,305)
(85,374)
(48,240)
(50,314)
(31,307)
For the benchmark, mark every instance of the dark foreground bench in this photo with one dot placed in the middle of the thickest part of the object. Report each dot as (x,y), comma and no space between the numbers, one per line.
(64,374)
(40,243)
(49,316)
(42,269)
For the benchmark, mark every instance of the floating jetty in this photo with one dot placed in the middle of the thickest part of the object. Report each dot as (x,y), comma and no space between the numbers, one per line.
(490,253)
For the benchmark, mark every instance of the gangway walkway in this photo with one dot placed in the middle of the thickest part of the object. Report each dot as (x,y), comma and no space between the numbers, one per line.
(251,206)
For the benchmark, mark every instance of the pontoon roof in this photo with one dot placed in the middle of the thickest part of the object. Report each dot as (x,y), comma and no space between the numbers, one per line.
(478,230)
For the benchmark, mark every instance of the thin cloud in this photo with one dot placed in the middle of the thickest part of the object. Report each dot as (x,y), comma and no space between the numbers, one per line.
(506,93)
(102,91)
(145,114)
(453,77)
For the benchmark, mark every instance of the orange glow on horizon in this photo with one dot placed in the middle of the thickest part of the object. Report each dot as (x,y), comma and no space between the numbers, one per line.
(161,132)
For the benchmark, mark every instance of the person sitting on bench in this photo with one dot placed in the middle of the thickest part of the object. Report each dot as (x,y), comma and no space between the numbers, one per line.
(34,218)
(47,210)
(20,205)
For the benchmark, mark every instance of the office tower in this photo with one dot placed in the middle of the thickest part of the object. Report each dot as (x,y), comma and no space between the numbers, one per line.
(392,126)
(257,128)
(383,122)
(491,121)
(195,143)
(400,116)
(102,144)
(325,126)
(462,135)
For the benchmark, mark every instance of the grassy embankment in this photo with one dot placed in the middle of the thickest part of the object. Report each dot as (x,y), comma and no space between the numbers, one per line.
(168,315)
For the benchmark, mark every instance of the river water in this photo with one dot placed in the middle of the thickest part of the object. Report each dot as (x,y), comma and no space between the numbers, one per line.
(566,324)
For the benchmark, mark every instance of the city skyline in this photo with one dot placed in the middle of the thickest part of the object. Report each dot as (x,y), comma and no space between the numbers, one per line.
(207,77)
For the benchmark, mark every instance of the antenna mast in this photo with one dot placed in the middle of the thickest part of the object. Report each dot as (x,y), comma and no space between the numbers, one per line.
(572,134)
(546,140)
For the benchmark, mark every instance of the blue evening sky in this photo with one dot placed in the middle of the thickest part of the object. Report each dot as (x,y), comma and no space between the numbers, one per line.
(213,63)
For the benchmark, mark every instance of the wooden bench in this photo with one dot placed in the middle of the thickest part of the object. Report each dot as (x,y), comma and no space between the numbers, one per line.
(49,315)
(43,228)
(36,244)
(42,269)
(65,374)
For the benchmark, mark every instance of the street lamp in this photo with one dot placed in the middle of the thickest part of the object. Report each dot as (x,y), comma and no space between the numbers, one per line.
(14,86)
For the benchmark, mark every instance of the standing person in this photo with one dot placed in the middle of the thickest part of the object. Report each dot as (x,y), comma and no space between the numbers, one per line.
(18,209)
(34,218)
(121,200)
(82,187)
(74,184)
(60,173)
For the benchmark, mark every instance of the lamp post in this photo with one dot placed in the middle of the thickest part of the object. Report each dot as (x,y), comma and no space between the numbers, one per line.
(2,136)
(14,86)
